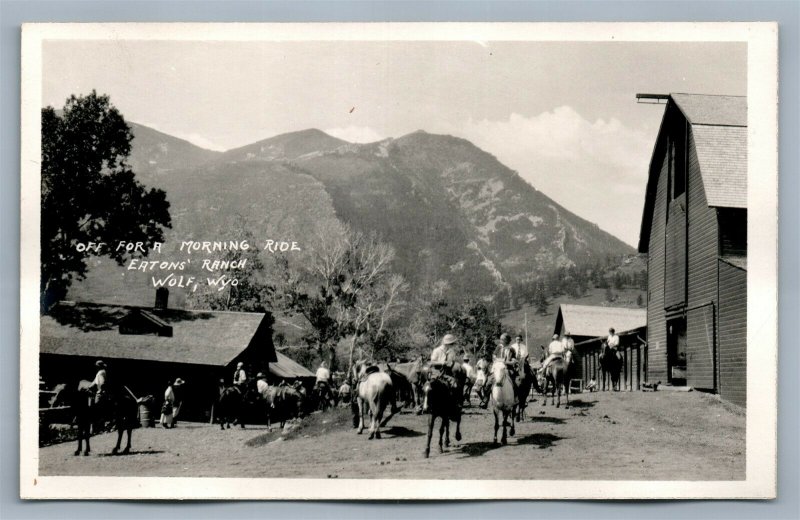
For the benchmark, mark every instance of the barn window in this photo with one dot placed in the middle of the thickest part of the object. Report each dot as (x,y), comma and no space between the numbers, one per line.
(733,231)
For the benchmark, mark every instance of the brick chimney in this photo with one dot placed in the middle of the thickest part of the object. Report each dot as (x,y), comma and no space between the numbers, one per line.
(162,299)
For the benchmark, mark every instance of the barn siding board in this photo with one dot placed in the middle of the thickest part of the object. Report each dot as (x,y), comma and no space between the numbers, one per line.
(700,347)
(675,253)
(703,242)
(733,333)
(656,321)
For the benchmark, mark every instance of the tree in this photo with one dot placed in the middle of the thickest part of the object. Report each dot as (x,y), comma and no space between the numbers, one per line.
(345,287)
(90,194)
(639,301)
(540,298)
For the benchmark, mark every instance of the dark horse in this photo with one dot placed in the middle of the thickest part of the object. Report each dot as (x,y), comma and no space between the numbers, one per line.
(229,408)
(525,379)
(611,365)
(443,400)
(121,408)
(557,374)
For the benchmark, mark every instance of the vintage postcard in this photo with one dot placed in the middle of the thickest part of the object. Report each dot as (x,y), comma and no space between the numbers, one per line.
(399,261)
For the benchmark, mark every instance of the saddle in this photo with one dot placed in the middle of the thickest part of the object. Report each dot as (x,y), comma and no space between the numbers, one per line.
(372,369)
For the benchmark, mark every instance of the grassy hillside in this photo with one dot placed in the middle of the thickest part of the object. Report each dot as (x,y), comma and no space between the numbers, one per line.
(540,327)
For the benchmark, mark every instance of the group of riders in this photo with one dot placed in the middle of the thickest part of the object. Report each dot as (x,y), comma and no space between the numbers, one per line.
(443,365)
(514,355)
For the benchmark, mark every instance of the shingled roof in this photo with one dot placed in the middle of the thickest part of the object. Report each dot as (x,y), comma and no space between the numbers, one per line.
(719,130)
(198,337)
(288,368)
(594,321)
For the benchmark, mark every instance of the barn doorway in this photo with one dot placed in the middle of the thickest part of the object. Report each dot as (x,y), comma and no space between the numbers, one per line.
(676,351)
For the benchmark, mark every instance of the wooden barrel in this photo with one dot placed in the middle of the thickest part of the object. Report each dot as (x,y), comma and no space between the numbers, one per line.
(145,420)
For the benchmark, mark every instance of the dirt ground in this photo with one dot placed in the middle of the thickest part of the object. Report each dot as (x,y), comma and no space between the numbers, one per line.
(608,436)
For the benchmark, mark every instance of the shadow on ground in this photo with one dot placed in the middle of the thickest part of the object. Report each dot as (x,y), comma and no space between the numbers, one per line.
(545,419)
(401,431)
(132,452)
(578,403)
(541,440)
(477,449)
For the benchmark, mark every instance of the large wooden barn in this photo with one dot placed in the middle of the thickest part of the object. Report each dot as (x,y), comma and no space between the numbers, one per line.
(145,348)
(694,231)
(588,325)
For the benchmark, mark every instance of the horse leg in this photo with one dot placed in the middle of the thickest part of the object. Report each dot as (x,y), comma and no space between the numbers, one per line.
(446,421)
(513,429)
(119,441)
(559,394)
(431,419)
(127,444)
(504,438)
(458,427)
(441,433)
(496,427)
(544,392)
(360,406)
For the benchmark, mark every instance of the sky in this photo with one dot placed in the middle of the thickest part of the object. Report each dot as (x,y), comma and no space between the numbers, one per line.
(562,114)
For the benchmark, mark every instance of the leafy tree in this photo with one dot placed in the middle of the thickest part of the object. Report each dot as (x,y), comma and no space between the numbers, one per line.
(90,194)
(540,298)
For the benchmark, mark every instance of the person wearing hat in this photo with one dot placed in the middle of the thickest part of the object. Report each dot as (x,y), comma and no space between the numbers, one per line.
(444,354)
(322,386)
(613,339)
(168,407)
(239,376)
(177,390)
(554,350)
(100,382)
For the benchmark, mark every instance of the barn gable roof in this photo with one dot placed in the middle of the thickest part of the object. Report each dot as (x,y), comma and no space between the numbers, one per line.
(593,321)
(198,337)
(719,130)
(288,368)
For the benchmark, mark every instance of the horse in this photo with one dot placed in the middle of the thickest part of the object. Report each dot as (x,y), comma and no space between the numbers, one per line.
(80,399)
(480,384)
(122,409)
(611,365)
(557,373)
(524,380)
(373,394)
(502,400)
(443,401)
(229,407)
(322,397)
(469,384)
(416,374)
(283,403)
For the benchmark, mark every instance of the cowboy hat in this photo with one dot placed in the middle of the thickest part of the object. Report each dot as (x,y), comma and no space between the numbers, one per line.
(100,363)
(261,375)
(239,364)
(448,339)
(555,336)
(504,336)
(179,381)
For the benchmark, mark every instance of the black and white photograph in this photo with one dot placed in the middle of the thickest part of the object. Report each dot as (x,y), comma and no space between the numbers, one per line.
(424,261)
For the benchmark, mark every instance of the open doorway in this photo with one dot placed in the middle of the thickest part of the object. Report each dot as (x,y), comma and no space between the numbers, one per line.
(676,351)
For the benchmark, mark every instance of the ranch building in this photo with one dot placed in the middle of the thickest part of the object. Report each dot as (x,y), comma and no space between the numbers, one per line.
(588,325)
(694,231)
(145,348)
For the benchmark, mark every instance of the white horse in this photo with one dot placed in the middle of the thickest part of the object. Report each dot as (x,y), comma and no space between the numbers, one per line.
(374,394)
(502,400)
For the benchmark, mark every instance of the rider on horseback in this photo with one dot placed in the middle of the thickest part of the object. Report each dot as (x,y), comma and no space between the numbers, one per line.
(322,386)
(505,353)
(555,350)
(443,358)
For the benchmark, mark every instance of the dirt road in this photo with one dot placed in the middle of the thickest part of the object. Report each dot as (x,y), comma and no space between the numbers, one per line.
(608,436)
